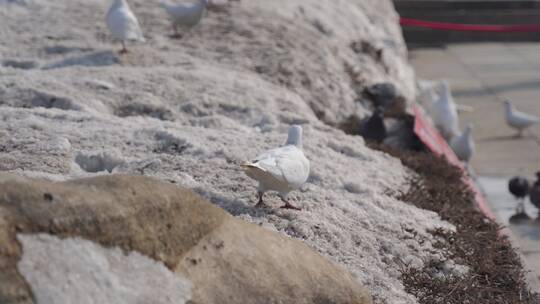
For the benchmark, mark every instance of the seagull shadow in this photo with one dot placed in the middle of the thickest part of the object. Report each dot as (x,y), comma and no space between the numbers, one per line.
(520,219)
(176,36)
(97,59)
(501,138)
(62,50)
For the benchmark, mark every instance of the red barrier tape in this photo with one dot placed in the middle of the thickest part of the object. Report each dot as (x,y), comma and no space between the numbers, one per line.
(470,27)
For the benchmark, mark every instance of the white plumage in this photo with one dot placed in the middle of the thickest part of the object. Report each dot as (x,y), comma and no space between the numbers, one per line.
(185,15)
(463,145)
(518,120)
(444,112)
(123,24)
(283,169)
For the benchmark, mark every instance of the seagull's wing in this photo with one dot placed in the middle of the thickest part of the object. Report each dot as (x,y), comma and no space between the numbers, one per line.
(526,118)
(124,25)
(286,164)
(133,28)
(179,10)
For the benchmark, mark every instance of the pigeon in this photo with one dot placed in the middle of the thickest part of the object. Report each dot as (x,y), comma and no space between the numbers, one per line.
(519,187)
(374,129)
(383,94)
(444,112)
(463,145)
(123,24)
(534,193)
(185,15)
(518,120)
(283,169)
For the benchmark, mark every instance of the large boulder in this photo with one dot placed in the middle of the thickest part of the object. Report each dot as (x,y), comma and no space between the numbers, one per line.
(157,241)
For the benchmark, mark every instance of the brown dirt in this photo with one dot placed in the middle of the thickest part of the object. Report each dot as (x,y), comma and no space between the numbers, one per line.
(496,274)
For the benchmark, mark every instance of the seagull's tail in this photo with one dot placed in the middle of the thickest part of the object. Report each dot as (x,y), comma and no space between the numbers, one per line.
(250,165)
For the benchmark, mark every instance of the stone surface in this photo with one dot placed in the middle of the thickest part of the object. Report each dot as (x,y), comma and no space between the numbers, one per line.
(64,241)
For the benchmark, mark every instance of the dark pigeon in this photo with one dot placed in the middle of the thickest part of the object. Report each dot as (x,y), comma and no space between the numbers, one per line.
(382,94)
(519,187)
(373,129)
(534,193)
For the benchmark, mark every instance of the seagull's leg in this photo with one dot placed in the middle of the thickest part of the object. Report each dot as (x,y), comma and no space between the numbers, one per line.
(260,203)
(288,205)
(176,33)
(124,49)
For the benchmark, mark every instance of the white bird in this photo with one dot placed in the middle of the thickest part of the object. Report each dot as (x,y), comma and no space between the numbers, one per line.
(184,15)
(123,24)
(463,145)
(427,94)
(283,169)
(444,112)
(518,120)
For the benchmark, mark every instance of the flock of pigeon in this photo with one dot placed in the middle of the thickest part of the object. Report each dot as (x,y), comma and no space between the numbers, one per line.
(124,26)
(444,113)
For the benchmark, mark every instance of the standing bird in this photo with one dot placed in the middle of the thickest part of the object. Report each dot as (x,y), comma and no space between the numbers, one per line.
(184,15)
(123,24)
(374,128)
(518,120)
(283,169)
(534,193)
(444,112)
(382,94)
(463,145)
(519,187)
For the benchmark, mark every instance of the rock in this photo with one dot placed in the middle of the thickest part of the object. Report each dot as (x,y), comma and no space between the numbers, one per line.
(160,228)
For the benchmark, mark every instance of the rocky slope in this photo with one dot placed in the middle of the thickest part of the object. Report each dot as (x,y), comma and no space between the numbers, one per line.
(189,111)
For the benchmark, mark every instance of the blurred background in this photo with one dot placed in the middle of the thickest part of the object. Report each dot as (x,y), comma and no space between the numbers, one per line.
(488,51)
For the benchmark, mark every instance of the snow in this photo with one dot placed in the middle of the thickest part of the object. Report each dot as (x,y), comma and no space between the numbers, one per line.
(74,270)
(191,111)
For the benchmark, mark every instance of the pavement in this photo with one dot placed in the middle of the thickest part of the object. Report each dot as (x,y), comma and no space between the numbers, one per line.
(483,75)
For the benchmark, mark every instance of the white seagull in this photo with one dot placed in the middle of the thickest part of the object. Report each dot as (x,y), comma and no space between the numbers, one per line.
(518,120)
(428,95)
(123,24)
(283,169)
(444,112)
(463,145)
(184,15)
